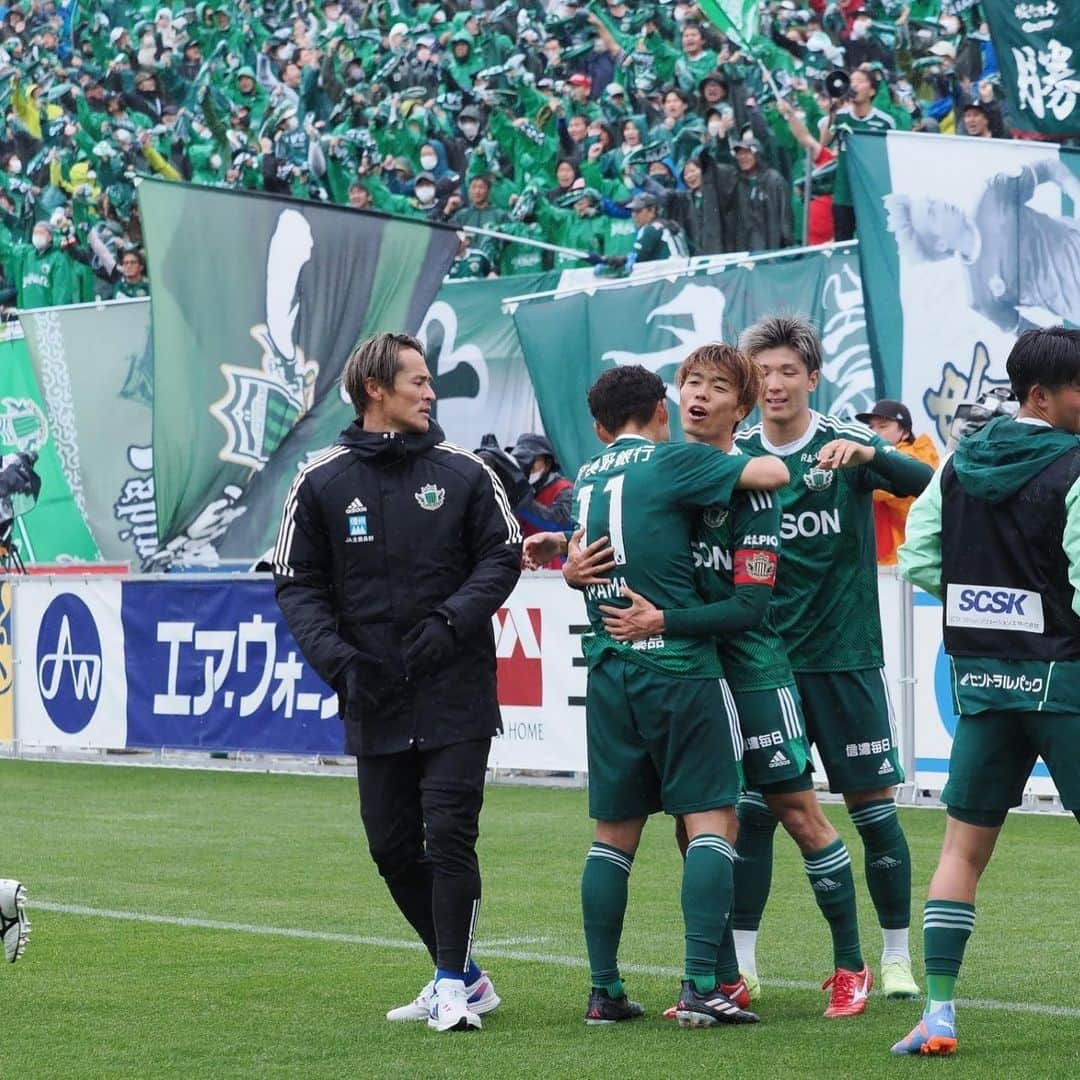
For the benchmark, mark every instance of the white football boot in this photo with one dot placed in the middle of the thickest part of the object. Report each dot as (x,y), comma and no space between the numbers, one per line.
(14,927)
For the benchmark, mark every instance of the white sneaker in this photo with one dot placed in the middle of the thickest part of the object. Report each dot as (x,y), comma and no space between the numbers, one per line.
(481,994)
(450,1008)
(14,928)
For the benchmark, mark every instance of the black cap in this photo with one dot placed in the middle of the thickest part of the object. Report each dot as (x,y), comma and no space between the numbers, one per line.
(641,201)
(887,409)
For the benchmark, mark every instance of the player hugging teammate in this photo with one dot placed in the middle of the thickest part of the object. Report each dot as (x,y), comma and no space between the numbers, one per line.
(799,640)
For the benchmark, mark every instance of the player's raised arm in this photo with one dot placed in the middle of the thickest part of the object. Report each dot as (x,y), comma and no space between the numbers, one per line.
(765,473)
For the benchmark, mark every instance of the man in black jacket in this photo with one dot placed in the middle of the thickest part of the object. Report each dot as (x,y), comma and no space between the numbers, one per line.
(396,549)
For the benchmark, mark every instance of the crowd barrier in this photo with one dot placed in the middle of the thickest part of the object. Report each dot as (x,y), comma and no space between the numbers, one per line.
(205,663)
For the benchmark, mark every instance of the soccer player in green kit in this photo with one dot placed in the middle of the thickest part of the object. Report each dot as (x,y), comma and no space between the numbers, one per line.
(735,558)
(657,733)
(825,605)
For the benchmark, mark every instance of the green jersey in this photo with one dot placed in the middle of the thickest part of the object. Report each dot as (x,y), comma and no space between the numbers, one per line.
(844,123)
(647,498)
(735,549)
(826,600)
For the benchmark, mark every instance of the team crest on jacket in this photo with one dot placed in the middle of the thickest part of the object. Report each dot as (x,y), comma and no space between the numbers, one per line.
(715,516)
(818,479)
(430,497)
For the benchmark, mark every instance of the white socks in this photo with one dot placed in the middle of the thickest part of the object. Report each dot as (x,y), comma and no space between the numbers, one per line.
(895,945)
(746,950)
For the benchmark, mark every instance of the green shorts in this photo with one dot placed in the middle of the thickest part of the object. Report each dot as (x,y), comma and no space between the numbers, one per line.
(657,743)
(993,754)
(775,747)
(849,719)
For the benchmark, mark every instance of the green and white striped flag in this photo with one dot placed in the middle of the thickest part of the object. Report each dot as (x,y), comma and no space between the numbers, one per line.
(964,244)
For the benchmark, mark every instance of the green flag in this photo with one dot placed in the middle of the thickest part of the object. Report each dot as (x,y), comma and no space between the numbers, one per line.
(742,15)
(54,530)
(1038,47)
(965,243)
(96,369)
(481,385)
(569,340)
(258,301)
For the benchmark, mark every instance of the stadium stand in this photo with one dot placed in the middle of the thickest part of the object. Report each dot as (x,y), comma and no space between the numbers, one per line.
(539,119)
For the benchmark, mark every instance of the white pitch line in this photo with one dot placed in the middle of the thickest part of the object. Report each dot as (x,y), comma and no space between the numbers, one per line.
(496,950)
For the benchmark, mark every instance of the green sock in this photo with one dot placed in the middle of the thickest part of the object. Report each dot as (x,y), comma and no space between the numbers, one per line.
(888,862)
(829,871)
(727,961)
(603,905)
(707,885)
(947,925)
(753,863)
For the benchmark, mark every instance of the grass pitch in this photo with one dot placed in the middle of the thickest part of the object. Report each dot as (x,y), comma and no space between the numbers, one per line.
(240,930)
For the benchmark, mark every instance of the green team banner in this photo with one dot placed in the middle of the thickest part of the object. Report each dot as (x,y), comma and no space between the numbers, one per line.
(965,244)
(95,367)
(54,530)
(1038,48)
(569,339)
(473,348)
(258,301)
(480,379)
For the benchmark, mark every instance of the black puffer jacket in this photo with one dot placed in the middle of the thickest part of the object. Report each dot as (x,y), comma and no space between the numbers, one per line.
(377,533)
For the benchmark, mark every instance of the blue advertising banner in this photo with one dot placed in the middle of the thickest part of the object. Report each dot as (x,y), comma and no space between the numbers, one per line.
(213,666)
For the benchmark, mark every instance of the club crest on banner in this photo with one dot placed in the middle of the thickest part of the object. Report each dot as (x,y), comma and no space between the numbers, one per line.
(23,426)
(262,405)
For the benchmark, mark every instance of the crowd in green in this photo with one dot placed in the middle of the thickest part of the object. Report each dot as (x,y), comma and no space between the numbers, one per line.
(617,132)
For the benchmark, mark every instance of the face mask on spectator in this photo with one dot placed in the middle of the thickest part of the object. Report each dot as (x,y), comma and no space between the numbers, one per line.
(425,193)
(716,127)
(469,128)
(429,161)
(40,239)
(15,166)
(536,474)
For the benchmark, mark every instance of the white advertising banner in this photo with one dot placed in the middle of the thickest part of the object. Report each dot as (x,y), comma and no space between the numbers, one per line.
(70,685)
(541,677)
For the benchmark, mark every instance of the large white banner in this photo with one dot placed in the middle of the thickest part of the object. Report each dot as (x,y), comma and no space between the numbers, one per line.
(70,683)
(541,677)
(964,244)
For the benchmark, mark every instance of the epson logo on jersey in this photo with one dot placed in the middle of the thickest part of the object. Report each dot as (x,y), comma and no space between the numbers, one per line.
(711,557)
(810,523)
(990,607)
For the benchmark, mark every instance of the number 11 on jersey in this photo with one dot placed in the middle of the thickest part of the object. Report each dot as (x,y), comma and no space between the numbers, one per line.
(613,489)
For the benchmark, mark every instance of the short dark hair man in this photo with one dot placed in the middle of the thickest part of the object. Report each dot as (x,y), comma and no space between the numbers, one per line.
(996,536)
(396,549)
(652,707)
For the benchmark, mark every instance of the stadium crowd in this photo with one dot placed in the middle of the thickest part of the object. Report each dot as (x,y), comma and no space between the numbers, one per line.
(587,125)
